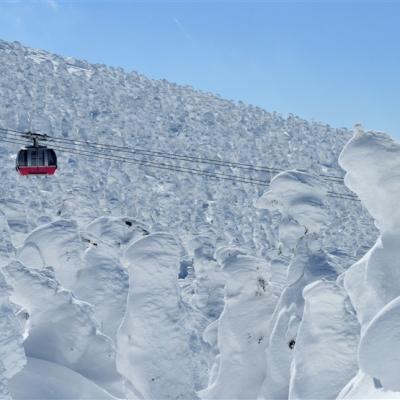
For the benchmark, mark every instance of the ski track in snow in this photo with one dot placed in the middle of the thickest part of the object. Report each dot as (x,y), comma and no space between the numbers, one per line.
(121,281)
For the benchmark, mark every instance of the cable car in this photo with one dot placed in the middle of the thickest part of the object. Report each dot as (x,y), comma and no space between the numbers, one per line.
(36,159)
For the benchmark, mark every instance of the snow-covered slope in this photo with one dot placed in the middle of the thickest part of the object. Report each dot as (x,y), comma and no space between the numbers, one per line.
(134,282)
(72,99)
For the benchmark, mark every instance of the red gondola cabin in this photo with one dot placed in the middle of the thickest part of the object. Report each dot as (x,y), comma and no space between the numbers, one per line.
(36,160)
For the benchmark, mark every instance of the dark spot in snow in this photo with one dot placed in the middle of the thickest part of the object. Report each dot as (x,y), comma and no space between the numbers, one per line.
(89,241)
(262,283)
(129,223)
(291,344)
(260,339)
(184,268)
(377,383)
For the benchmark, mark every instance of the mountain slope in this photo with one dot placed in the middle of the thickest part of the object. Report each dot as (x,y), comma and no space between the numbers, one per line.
(80,248)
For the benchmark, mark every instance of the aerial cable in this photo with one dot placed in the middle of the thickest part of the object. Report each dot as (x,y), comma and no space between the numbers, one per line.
(235,178)
(200,160)
(153,163)
(147,162)
(343,196)
(347,195)
(163,154)
(169,167)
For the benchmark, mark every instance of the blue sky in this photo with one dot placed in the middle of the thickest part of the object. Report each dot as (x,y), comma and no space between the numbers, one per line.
(333,61)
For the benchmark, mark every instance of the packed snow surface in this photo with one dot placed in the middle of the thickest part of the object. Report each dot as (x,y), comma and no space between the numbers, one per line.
(122,281)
